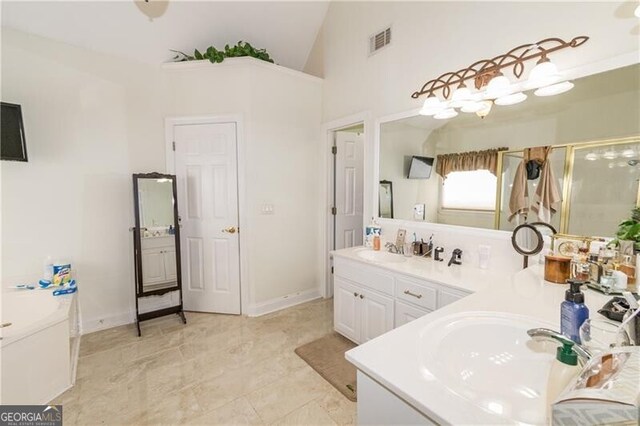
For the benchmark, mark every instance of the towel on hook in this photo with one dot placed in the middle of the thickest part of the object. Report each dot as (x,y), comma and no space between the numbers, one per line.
(547,193)
(519,200)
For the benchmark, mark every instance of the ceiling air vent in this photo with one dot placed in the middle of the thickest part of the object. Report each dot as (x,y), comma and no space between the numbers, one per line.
(379,40)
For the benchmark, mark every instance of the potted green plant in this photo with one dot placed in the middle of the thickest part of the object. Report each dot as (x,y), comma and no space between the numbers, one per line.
(216,56)
(629,230)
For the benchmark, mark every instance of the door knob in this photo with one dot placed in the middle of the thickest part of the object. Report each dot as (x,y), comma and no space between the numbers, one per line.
(230,230)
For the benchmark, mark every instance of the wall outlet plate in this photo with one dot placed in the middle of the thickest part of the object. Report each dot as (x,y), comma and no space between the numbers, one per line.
(400,237)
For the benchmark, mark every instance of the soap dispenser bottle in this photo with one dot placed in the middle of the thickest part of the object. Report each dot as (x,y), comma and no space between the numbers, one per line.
(563,370)
(573,311)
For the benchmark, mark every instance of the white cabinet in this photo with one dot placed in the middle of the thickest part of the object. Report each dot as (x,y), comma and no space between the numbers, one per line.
(159,265)
(376,315)
(360,314)
(406,313)
(346,315)
(370,300)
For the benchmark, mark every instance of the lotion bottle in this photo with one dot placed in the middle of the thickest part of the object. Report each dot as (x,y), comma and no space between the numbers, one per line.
(564,369)
(573,311)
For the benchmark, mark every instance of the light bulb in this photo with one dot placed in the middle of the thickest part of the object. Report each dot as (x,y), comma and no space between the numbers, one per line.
(609,155)
(592,156)
(554,89)
(461,95)
(628,153)
(637,12)
(485,110)
(543,74)
(498,86)
(445,114)
(512,99)
(432,105)
(472,107)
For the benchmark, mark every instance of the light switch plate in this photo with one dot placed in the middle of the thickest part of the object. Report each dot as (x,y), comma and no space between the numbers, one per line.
(400,237)
(267,209)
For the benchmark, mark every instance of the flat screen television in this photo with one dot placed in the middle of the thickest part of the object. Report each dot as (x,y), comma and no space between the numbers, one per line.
(13,146)
(420,167)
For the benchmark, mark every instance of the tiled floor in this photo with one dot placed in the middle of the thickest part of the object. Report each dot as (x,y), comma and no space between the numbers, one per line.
(218,369)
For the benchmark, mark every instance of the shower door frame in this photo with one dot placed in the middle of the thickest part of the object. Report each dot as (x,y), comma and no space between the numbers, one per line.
(567,180)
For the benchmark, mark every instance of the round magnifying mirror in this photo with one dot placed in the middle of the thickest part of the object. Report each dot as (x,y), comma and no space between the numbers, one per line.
(528,240)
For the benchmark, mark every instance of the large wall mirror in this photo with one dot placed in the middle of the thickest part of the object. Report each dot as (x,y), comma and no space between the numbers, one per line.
(589,137)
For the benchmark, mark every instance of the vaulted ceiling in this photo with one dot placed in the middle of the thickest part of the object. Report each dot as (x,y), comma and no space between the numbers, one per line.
(286,29)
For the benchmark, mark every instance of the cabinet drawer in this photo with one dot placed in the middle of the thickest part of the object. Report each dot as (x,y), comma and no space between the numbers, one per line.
(416,293)
(405,313)
(364,275)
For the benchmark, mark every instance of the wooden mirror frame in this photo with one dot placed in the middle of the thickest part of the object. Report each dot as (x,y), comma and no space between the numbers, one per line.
(137,245)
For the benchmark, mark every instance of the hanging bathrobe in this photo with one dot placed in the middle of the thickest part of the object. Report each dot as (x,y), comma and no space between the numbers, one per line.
(547,194)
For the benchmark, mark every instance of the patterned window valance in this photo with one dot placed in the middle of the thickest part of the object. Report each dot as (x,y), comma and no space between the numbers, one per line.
(468,161)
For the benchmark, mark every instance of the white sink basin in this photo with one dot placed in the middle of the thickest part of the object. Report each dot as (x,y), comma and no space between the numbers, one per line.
(380,256)
(489,359)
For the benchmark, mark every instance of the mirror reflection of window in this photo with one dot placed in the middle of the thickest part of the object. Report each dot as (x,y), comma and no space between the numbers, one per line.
(474,190)
(386,199)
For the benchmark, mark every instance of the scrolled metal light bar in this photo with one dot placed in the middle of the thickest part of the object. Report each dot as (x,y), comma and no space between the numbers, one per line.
(484,70)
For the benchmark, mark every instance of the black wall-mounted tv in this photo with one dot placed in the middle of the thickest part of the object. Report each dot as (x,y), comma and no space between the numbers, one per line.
(13,146)
(420,167)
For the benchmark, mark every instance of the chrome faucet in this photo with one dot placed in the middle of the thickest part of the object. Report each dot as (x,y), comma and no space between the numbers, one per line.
(392,248)
(456,257)
(545,334)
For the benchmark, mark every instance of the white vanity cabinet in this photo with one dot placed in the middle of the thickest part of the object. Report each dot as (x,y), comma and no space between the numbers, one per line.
(359,313)
(370,300)
(158,260)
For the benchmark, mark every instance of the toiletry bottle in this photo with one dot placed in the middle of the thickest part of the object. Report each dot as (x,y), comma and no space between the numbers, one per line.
(573,311)
(376,242)
(564,369)
(47,269)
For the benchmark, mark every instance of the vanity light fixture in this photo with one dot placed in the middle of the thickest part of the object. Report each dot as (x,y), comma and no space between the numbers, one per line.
(512,99)
(554,89)
(610,155)
(445,114)
(450,91)
(637,11)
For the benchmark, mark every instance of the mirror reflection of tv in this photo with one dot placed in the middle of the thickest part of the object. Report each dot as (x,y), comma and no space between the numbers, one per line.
(420,167)
(13,145)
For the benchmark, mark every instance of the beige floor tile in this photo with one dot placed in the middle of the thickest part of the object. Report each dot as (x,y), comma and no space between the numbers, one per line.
(309,414)
(216,369)
(341,410)
(237,412)
(287,394)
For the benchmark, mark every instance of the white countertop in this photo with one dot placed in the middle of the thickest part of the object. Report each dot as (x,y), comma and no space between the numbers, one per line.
(403,372)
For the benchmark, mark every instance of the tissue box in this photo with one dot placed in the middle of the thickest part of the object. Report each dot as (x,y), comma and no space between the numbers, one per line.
(607,391)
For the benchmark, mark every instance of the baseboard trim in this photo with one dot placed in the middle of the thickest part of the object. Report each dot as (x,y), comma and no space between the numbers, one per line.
(98,324)
(279,303)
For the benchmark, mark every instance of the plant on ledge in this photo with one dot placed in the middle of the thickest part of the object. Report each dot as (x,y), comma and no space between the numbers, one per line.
(216,56)
(629,230)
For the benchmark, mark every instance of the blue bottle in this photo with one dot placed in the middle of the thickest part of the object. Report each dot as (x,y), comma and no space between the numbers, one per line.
(573,311)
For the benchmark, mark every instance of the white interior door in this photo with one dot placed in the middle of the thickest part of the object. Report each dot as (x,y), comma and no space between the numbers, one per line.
(206,170)
(349,185)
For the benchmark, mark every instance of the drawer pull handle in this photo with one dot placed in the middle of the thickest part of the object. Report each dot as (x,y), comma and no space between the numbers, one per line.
(417,296)
(361,296)
(355,294)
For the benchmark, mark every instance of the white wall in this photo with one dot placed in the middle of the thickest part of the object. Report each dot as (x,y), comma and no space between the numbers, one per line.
(91,120)
(281,112)
(84,123)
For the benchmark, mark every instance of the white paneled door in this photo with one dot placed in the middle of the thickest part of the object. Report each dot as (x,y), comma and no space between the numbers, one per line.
(206,169)
(349,176)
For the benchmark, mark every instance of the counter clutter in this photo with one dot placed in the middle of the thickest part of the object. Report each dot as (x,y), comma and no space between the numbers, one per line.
(456,388)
